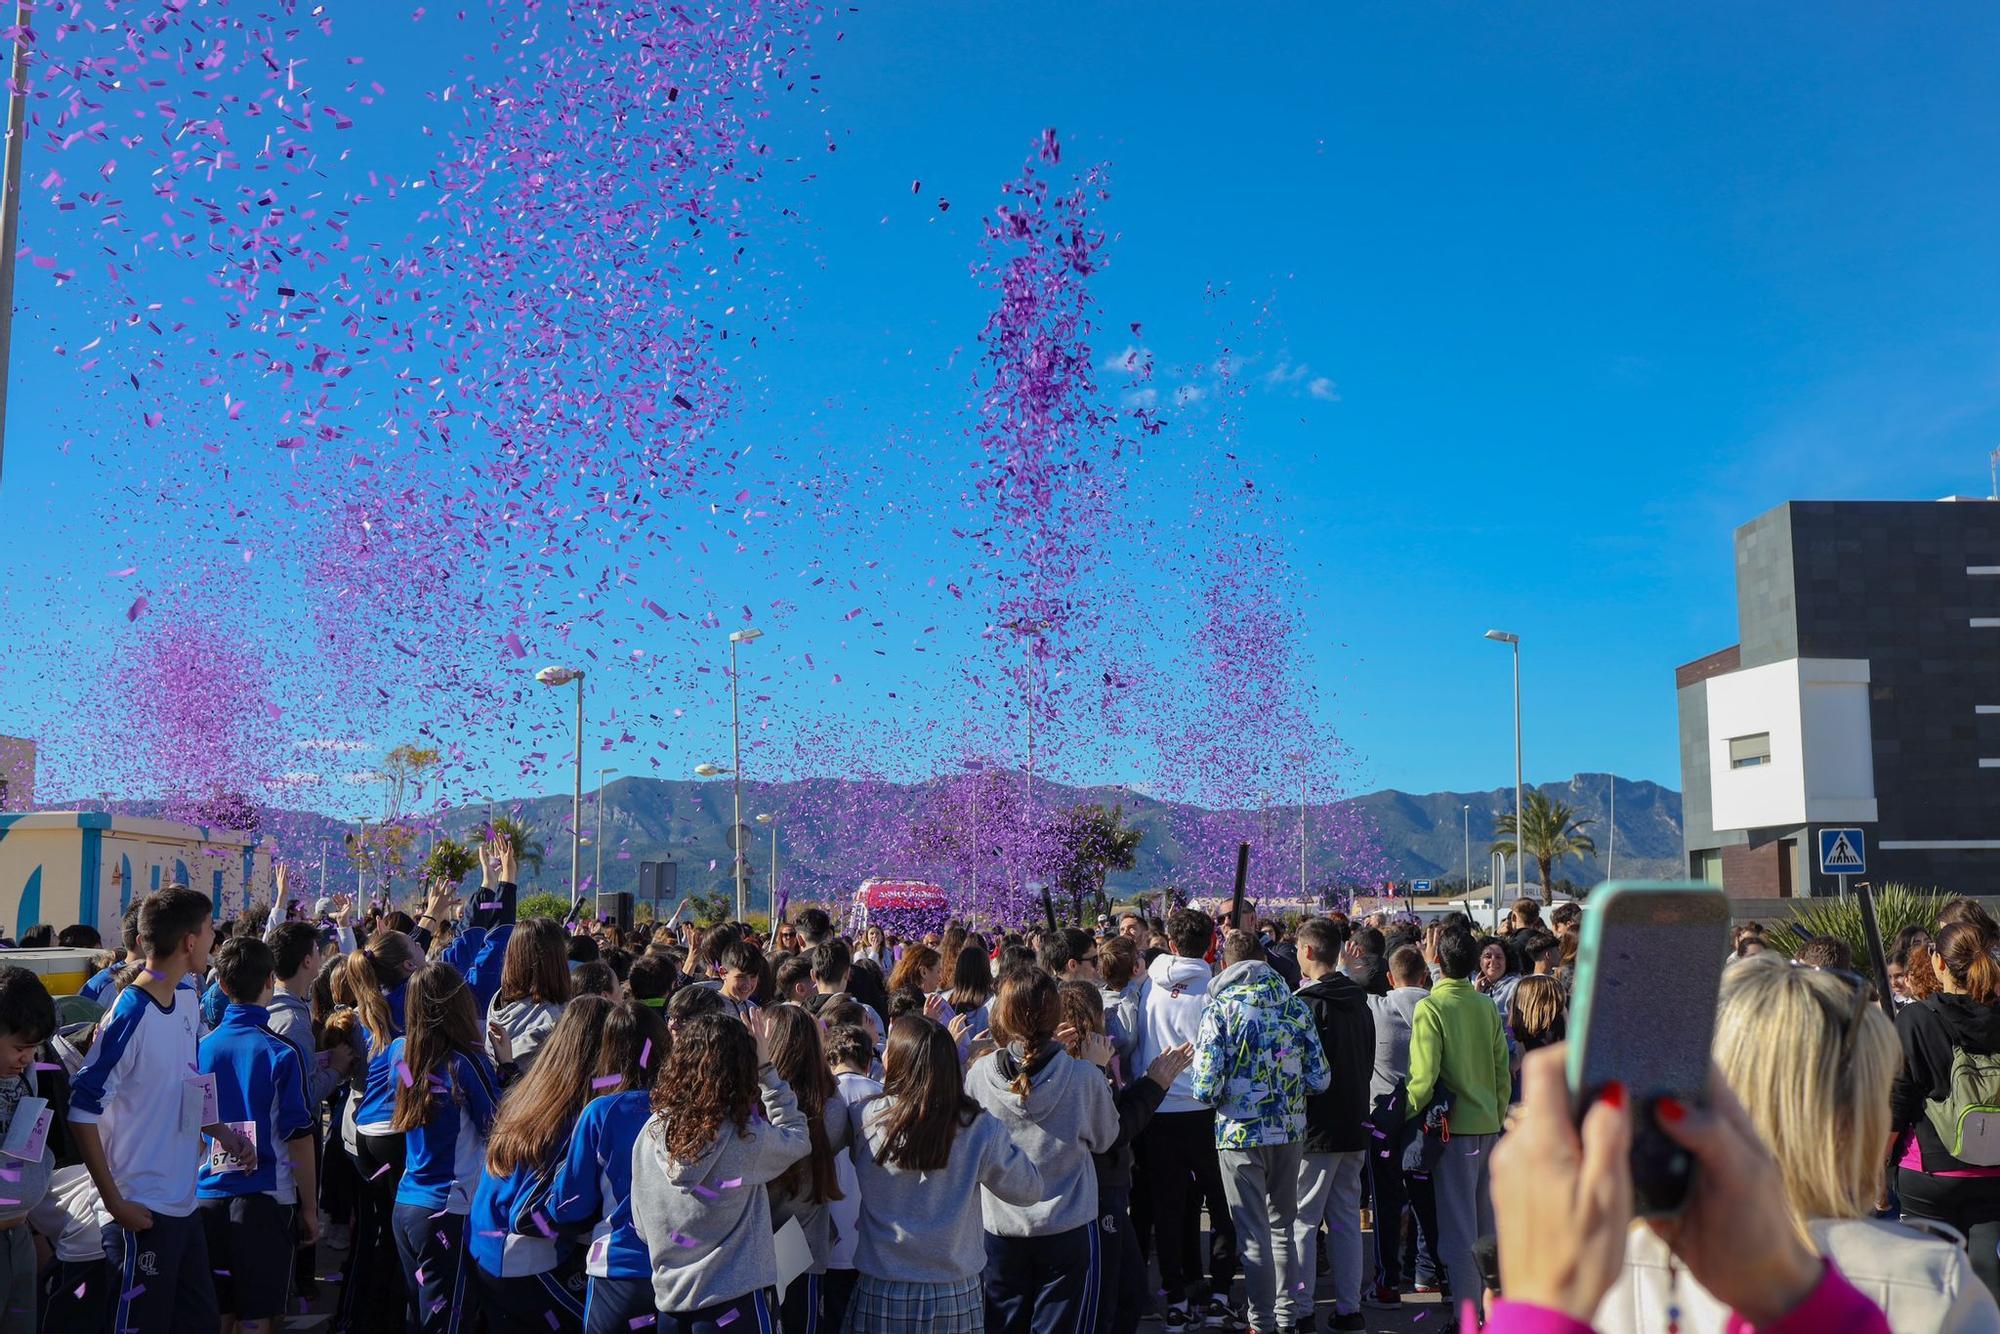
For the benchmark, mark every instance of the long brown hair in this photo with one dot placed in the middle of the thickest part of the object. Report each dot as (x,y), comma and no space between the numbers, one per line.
(948,948)
(800,1060)
(536,966)
(910,969)
(710,1079)
(925,1094)
(442,1023)
(1967,952)
(636,1043)
(538,1113)
(971,979)
(369,975)
(1025,1015)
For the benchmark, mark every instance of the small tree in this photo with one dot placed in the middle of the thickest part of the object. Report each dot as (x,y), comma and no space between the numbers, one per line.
(1087,843)
(404,765)
(1549,831)
(450,861)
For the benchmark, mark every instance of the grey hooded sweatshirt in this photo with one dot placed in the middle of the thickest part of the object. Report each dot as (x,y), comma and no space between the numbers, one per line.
(527,1024)
(923,1227)
(1066,1117)
(707,1223)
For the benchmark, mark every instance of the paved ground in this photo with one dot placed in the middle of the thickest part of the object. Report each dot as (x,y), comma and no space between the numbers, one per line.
(1419,1315)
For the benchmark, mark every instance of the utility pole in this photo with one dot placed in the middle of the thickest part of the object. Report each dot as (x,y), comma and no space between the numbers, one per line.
(10,200)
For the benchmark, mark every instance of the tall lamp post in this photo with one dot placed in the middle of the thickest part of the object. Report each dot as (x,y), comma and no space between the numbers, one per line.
(597,835)
(736,637)
(1611,853)
(772,891)
(10,198)
(1300,758)
(1467,811)
(1513,641)
(562,676)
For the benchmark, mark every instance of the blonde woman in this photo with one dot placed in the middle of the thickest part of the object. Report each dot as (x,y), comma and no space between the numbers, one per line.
(1811,1057)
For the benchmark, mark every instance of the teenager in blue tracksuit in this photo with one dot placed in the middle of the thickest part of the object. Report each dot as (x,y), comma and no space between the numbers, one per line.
(593,1183)
(373,980)
(249,1210)
(529,1271)
(446,1095)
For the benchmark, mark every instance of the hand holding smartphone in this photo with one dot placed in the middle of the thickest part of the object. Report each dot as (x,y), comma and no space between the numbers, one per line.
(1648,974)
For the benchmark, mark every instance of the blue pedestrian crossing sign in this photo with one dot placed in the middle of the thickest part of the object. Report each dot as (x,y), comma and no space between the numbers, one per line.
(1842,852)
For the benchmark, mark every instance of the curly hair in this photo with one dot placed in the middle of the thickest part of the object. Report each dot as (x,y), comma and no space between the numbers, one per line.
(1082,1011)
(710,1079)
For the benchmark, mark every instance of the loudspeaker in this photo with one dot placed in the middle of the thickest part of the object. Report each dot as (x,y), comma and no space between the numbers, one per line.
(617,908)
(658,882)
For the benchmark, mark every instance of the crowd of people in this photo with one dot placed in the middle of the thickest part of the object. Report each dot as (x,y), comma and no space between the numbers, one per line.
(461,1120)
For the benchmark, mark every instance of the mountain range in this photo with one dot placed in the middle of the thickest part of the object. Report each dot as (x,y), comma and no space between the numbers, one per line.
(1422,835)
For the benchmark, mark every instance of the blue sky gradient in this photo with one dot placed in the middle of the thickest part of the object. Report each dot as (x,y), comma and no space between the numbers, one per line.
(1533,305)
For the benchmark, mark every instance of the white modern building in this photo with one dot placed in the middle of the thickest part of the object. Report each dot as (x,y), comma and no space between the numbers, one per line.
(1864,691)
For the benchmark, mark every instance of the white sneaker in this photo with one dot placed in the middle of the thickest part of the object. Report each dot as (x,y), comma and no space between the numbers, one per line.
(336,1236)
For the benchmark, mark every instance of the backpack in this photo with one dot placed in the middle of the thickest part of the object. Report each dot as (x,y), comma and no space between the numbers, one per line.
(1967,1118)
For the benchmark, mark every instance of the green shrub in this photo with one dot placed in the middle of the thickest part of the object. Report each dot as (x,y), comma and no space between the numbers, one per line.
(543,905)
(1896,906)
(450,861)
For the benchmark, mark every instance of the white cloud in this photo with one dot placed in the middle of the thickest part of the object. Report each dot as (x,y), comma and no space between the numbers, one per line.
(1286,372)
(1141,398)
(331,744)
(1323,388)
(1134,360)
(1186,394)
(294,778)
(362,777)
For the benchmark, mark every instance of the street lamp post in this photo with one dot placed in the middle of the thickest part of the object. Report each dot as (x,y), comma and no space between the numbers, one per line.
(1299,758)
(597,835)
(772,892)
(1611,853)
(1513,641)
(562,676)
(736,637)
(1467,810)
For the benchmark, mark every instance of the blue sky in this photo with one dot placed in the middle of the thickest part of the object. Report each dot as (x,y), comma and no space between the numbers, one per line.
(1535,304)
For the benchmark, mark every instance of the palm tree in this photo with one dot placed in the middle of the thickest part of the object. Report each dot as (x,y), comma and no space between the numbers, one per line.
(527,848)
(1550,831)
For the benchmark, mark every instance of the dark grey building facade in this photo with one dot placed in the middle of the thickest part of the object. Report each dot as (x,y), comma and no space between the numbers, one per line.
(1864,690)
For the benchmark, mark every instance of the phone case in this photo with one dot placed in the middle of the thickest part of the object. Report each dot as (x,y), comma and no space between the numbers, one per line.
(1602,905)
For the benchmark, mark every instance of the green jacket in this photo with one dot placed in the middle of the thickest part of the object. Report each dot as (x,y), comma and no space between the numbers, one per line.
(1455,1040)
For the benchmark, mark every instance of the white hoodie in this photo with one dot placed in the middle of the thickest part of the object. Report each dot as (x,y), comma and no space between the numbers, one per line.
(1173,1008)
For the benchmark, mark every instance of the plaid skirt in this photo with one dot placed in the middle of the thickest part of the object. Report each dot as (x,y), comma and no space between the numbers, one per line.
(891,1306)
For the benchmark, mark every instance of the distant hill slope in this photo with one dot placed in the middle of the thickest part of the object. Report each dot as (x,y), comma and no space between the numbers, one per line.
(685,821)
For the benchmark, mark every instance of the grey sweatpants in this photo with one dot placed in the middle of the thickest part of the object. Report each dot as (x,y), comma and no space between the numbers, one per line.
(1329,1190)
(1465,1211)
(1263,1189)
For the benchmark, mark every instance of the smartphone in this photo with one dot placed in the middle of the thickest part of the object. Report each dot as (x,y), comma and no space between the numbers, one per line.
(1648,971)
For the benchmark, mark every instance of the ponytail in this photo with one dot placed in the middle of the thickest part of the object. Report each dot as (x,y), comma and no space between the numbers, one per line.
(1025,1015)
(370,1002)
(370,974)
(1982,979)
(1967,951)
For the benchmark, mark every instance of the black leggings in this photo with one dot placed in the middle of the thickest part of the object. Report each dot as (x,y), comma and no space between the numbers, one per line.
(372,1293)
(1970,1204)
